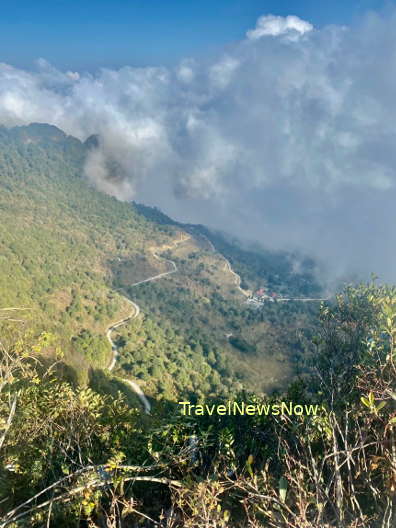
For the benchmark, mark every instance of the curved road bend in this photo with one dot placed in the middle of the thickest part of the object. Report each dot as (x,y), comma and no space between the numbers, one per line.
(134,313)
(227,267)
(134,386)
(136,310)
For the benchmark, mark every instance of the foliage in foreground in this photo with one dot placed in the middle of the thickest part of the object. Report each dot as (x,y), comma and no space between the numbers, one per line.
(72,457)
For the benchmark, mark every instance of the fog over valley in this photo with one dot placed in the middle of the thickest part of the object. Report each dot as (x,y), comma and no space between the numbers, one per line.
(286,138)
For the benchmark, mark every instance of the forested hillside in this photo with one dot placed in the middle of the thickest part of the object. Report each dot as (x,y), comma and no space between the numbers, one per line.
(203,302)
(57,238)
(67,249)
(76,448)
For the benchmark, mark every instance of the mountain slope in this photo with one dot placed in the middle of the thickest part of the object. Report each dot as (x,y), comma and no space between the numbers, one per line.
(57,237)
(66,249)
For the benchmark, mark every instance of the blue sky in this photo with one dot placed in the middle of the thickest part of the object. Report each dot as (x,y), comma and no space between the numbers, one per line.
(87,34)
(284,135)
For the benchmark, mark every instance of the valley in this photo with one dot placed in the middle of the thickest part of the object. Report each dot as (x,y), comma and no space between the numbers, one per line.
(112,312)
(136,310)
(91,256)
(197,289)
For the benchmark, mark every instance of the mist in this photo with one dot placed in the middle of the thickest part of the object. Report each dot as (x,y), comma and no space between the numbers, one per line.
(286,138)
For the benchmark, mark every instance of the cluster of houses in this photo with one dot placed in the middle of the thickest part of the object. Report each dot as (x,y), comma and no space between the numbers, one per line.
(261,296)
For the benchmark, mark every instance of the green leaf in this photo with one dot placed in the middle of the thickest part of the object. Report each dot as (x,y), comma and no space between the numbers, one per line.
(380,406)
(365,401)
(249,463)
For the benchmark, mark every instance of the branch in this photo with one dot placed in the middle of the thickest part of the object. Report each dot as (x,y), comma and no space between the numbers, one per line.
(66,497)
(9,421)
(76,474)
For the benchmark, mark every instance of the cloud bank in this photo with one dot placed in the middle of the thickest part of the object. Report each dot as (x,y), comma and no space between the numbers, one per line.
(288,138)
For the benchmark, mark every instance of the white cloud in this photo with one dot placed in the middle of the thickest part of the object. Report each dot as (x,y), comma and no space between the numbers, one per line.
(289,142)
(185,71)
(271,25)
(222,72)
(74,76)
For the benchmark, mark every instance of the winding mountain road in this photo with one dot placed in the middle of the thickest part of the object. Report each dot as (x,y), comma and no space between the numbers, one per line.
(136,310)
(228,267)
(160,275)
(134,386)
(134,313)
